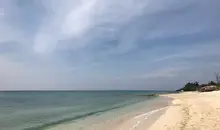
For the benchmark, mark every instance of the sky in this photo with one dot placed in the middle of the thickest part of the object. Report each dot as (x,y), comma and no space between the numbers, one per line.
(108,44)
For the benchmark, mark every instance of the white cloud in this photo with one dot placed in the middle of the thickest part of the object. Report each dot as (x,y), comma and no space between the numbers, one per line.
(73,20)
(65,21)
(85,22)
(76,20)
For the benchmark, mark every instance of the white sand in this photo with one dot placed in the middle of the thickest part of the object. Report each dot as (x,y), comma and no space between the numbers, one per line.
(191,111)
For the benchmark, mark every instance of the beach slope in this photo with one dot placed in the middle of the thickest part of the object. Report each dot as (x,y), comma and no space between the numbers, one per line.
(191,111)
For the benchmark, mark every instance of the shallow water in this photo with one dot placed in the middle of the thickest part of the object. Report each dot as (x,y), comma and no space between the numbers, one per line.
(111,120)
(40,110)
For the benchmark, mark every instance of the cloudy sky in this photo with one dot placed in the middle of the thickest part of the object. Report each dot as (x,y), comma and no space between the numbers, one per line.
(108,44)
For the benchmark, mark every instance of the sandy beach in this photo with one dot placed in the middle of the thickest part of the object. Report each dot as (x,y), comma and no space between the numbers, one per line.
(189,111)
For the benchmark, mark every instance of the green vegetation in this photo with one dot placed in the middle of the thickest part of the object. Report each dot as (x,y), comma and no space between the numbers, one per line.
(190,86)
(195,86)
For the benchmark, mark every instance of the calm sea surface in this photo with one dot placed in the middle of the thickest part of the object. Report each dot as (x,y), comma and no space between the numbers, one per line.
(39,110)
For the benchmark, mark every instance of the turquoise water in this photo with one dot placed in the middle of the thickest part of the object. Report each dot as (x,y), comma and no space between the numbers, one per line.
(39,110)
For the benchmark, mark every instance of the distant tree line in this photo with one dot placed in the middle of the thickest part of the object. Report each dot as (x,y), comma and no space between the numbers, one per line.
(195,86)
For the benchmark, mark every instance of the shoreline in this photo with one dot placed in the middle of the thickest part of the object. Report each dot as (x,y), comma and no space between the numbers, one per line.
(143,113)
(188,111)
(191,111)
(145,120)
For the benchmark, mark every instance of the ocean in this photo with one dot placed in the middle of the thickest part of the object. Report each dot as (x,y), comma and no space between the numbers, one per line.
(39,110)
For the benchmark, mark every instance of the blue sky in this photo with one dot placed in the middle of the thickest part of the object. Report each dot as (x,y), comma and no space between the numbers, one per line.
(107,44)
